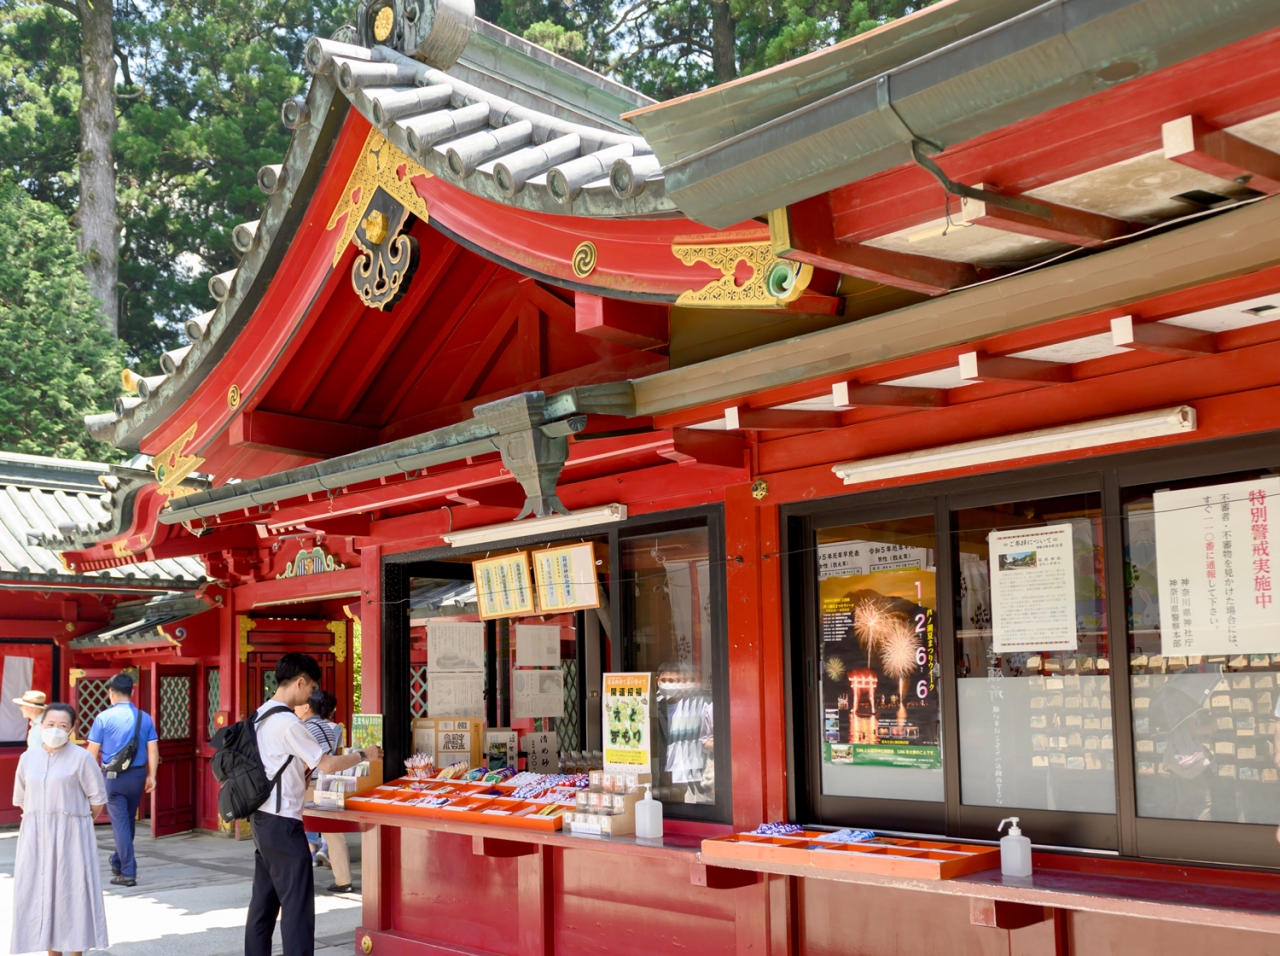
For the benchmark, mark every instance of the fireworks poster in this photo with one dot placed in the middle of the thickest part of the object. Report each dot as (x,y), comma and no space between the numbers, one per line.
(879,674)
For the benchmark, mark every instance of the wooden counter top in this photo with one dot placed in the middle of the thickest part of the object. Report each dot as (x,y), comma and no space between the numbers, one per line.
(679,846)
(1225,903)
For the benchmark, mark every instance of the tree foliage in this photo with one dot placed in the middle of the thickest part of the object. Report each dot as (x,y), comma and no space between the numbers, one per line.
(200,83)
(57,361)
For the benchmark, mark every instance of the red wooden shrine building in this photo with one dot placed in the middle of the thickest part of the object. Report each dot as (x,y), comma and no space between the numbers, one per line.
(822,360)
(65,631)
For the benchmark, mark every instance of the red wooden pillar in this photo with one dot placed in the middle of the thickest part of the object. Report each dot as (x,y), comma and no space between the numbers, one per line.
(757,722)
(371,629)
(228,658)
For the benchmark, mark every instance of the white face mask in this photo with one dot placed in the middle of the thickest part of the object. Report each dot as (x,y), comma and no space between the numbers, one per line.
(54,737)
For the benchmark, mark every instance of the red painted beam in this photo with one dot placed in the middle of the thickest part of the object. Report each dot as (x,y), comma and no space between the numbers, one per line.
(887,396)
(1073,226)
(980,367)
(804,232)
(780,419)
(637,325)
(294,435)
(1191,141)
(1129,333)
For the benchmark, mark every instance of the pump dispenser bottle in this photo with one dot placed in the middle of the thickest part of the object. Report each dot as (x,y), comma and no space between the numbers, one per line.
(1015,850)
(649,816)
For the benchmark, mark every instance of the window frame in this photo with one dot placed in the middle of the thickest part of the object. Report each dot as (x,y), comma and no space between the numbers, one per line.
(397,569)
(1124,833)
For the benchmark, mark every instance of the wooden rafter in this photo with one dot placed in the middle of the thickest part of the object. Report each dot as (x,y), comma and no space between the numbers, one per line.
(1160,337)
(1191,141)
(887,396)
(980,367)
(803,232)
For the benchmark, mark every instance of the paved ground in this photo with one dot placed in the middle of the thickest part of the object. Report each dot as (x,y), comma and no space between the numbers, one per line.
(191,898)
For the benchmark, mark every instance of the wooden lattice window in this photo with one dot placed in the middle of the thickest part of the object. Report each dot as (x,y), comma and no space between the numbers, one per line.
(418,690)
(91,700)
(175,707)
(213,690)
(569,727)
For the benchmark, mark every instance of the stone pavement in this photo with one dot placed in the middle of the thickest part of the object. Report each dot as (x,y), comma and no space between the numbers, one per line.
(191,897)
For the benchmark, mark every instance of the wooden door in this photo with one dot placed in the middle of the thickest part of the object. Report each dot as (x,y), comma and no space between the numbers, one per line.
(173,803)
(265,640)
(206,785)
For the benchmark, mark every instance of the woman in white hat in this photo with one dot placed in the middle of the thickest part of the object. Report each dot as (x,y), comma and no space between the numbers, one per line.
(32,705)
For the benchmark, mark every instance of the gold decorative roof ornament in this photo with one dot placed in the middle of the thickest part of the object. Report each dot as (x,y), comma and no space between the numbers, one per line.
(171,467)
(382,24)
(381,165)
(773,282)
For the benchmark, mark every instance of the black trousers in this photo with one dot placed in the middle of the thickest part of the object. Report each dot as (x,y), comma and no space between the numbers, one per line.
(282,880)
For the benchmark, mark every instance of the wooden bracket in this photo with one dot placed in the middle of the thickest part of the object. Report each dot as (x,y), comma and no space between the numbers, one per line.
(294,435)
(714,449)
(980,367)
(1191,141)
(803,232)
(505,495)
(999,914)
(1128,333)
(887,396)
(489,846)
(637,325)
(721,877)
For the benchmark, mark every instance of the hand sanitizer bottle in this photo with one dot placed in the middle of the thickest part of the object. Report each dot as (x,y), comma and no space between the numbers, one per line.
(1015,850)
(649,816)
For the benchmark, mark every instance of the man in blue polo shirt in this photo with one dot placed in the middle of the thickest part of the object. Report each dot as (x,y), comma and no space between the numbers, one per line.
(111,733)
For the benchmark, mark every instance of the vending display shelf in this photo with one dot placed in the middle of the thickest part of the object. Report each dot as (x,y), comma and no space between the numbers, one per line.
(888,856)
(490,804)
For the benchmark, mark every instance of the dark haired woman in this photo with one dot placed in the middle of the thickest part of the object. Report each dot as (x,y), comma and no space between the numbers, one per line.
(316,715)
(57,891)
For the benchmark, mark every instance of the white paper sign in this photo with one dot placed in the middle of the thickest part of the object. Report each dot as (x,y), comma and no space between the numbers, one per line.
(537,694)
(455,694)
(1033,589)
(1213,559)
(455,646)
(842,558)
(541,752)
(537,645)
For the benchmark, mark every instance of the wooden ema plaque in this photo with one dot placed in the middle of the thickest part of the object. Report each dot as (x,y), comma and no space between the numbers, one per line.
(467,803)
(886,856)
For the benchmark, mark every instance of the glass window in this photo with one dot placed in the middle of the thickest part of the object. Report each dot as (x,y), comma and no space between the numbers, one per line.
(1033,679)
(879,700)
(1204,648)
(667,631)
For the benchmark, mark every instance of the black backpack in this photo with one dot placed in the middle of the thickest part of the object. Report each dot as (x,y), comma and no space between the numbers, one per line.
(237,765)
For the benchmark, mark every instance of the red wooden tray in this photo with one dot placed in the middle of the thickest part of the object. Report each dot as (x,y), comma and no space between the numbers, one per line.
(466,804)
(886,856)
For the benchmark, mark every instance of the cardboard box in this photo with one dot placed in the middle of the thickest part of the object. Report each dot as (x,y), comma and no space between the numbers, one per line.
(448,740)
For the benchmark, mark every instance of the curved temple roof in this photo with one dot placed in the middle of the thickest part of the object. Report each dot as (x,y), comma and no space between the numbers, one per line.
(510,112)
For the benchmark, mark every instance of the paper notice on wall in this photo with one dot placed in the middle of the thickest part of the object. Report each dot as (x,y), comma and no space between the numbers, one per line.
(846,558)
(626,723)
(14,682)
(1213,568)
(537,645)
(1033,589)
(455,694)
(537,693)
(455,646)
(541,752)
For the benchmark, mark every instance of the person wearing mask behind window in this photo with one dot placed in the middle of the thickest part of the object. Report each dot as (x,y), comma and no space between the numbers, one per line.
(57,890)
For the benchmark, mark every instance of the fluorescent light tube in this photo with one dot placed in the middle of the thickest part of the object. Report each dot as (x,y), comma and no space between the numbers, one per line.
(1047,441)
(511,530)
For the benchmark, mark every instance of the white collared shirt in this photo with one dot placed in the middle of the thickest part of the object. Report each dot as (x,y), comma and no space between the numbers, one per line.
(281,736)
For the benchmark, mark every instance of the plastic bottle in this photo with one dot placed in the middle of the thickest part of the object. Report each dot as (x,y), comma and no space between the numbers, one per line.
(649,816)
(1015,850)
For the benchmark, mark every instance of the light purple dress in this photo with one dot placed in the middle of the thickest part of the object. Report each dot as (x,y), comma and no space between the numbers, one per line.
(57,886)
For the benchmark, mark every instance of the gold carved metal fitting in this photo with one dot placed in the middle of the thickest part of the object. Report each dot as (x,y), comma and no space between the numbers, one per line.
(171,467)
(381,166)
(772,283)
